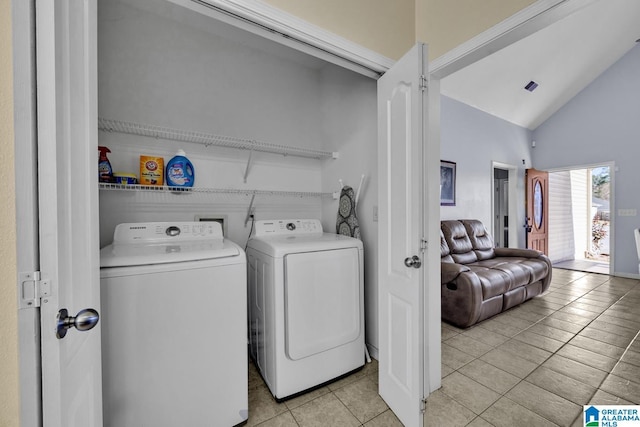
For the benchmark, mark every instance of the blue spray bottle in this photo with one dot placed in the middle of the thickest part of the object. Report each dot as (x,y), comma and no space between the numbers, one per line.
(105,173)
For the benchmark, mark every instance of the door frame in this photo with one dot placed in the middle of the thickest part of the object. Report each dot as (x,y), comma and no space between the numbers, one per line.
(612,208)
(25,148)
(520,25)
(513,203)
(67,104)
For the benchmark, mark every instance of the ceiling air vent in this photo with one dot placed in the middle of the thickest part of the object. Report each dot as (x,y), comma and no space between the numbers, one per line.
(531,86)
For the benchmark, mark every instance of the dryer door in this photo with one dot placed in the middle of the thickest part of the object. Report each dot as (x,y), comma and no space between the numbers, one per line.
(323,294)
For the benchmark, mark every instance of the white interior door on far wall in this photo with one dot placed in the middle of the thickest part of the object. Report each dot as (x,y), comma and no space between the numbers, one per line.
(401,138)
(66,56)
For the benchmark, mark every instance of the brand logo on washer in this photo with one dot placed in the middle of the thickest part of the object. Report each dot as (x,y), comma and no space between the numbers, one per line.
(137,228)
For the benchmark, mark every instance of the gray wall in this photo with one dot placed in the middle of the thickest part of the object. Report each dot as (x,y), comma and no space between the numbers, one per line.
(349,115)
(474,139)
(171,72)
(602,124)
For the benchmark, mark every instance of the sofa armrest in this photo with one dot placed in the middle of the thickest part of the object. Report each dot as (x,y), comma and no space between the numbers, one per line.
(523,253)
(461,300)
(449,271)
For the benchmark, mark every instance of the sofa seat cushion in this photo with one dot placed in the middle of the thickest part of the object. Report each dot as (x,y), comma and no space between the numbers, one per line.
(520,274)
(517,274)
(539,269)
(525,270)
(494,282)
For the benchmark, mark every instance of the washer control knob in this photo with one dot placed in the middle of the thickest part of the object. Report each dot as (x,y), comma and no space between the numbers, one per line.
(172,231)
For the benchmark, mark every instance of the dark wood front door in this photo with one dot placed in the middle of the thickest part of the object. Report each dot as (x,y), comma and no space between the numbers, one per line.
(537,210)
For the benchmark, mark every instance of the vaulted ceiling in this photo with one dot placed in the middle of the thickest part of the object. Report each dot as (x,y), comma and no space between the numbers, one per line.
(562,59)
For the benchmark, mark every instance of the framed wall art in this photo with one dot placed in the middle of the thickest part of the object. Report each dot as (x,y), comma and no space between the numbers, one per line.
(447,183)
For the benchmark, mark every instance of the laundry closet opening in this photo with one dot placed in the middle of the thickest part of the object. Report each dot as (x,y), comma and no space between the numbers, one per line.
(168,74)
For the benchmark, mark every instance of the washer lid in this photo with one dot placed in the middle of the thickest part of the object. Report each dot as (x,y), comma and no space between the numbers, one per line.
(119,255)
(278,246)
(163,242)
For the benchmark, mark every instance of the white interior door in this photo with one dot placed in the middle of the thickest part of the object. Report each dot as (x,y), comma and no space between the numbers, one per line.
(401,138)
(66,46)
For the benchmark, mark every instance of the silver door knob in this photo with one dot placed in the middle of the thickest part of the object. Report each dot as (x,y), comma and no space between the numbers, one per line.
(414,262)
(85,319)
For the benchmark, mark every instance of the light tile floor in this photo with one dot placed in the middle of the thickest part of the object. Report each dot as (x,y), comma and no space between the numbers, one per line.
(534,365)
(586,265)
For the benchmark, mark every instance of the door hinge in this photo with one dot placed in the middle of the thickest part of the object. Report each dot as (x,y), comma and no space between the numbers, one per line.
(31,289)
(423,405)
(423,83)
(424,244)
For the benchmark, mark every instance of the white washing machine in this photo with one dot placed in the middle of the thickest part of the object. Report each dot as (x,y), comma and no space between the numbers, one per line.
(174,326)
(306,304)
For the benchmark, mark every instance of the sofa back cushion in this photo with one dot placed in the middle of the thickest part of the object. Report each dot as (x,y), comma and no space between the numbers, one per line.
(481,240)
(444,250)
(458,241)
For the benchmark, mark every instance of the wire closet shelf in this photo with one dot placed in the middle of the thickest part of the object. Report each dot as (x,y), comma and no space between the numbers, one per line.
(199,190)
(207,139)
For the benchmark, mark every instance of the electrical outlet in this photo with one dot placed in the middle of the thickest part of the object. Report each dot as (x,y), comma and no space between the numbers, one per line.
(375,213)
(627,212)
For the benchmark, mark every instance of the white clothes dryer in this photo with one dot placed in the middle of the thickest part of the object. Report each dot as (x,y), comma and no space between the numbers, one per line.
(306,304)
(174,322)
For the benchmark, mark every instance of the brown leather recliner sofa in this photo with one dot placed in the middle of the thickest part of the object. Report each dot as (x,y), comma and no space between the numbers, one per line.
(480,281)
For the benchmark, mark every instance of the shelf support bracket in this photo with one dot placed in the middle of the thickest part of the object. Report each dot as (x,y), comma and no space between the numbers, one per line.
(246,171)
(250,210)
